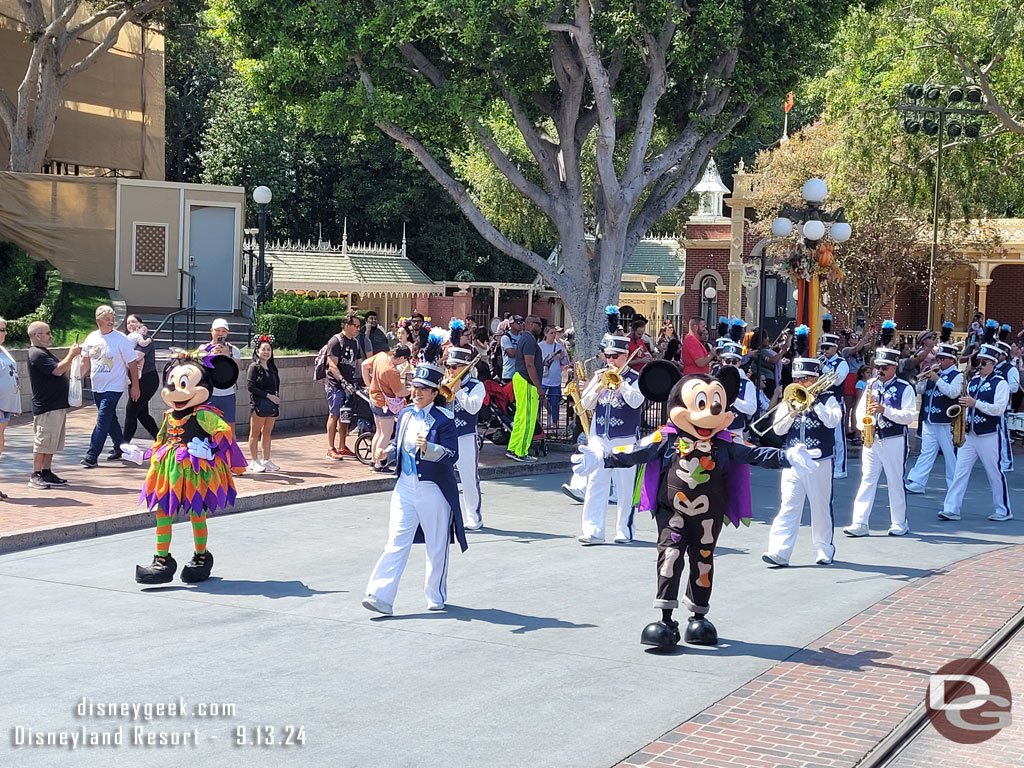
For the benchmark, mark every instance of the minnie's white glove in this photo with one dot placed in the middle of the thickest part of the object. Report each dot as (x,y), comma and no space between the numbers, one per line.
(132,453)
(200,449)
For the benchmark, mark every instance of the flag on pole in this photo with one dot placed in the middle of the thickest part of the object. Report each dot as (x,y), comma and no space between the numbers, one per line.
(789,102)
(786,106)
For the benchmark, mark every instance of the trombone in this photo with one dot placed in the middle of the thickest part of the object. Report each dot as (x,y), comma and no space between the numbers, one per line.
(612,377)
(797,398)
(446,386)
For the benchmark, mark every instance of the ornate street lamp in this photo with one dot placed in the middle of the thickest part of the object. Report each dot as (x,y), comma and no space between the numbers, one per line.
(927,101)
(262,197)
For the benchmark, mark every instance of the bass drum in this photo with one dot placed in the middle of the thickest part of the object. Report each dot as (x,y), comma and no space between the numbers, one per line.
(657,379)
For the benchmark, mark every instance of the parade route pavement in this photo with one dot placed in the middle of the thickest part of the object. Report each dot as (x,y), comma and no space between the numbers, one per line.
(535,662)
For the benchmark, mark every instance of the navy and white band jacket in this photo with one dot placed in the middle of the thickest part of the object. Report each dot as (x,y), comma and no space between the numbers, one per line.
(745,404)
(814,427)
(992,394)
(1012,376)
(900,407)
(842,370)
(466,406)
(616,413)
(937,396)
(436,463)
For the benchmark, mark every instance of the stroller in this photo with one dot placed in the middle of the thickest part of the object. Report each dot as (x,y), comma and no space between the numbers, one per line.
(493,422)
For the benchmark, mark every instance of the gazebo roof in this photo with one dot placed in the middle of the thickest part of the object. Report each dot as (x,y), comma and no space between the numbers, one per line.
(366,269)
(711,181)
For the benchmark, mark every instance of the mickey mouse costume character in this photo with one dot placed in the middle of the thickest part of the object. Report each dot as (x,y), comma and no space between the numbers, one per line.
(191,462)
(695,476)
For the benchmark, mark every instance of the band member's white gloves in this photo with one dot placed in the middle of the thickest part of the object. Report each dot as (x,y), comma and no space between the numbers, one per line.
(802,460)
(588,460)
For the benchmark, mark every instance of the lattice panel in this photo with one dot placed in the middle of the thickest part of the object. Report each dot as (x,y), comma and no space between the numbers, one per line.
(150,249)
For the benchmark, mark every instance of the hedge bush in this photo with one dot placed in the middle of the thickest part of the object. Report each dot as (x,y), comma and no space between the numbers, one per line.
(17,329)
(300,306)
(284,328)
(315,331)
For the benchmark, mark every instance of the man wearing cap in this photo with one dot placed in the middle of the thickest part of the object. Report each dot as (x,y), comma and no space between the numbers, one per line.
(940,387)
(985,401)
(893,410)
(745,404)
(466,404)
(833,362)
(814,428)
(616,423)
(425,502)
(509,343)
(1006,369)
(222,398)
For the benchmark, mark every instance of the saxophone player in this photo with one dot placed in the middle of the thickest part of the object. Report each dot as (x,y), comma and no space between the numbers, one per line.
(940,387)
(985,401)
(892,406)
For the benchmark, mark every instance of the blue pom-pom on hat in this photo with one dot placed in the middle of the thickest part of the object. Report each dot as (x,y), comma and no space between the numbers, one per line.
(801,330)
(947,324)
(889,324)
(611,309)
(990,323)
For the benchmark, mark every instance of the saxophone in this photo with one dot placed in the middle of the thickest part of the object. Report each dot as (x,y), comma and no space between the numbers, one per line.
(572,389)
(867,424)
(958,416)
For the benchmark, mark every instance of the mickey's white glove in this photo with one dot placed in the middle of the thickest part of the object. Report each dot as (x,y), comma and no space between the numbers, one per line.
(200,449)
(588,460)
(132,453)
(802,460)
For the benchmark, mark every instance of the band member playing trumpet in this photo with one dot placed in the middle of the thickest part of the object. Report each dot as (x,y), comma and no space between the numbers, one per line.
(985,401)
(813,427)
(833,362)
(1006,369)
(939,387)
(467,400)
(888,405)
(614,396)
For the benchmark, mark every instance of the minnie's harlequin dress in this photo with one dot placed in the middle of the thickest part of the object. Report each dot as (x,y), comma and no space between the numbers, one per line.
(179,481)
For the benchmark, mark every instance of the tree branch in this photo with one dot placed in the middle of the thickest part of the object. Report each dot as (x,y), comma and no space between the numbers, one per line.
(423,64)
(129,13)
(538,148)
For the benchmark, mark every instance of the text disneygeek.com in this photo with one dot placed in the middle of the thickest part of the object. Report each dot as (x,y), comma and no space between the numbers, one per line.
(151,735)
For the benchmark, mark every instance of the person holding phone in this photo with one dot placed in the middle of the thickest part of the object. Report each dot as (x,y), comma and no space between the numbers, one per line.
(223,398)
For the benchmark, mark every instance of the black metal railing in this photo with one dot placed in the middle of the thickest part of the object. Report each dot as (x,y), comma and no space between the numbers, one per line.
(652,416)
(181,325)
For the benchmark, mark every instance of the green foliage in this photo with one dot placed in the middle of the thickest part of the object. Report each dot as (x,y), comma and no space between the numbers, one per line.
(301,306)
(313,332)
(23,280)
(75,315)
(17,329)
(284,328)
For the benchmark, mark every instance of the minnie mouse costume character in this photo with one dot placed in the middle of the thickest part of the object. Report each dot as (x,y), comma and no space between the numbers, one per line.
(191,462)
(695,476)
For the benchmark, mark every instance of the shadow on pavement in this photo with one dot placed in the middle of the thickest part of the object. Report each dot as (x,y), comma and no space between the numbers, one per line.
(522,622)
(856,662)
(525,537)
(272,589)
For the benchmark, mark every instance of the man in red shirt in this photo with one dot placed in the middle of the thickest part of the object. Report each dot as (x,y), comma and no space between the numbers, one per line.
(696,358)
(637,344)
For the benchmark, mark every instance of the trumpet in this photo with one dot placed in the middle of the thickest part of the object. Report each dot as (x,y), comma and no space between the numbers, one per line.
(446,386)
(798,399)
(612,377)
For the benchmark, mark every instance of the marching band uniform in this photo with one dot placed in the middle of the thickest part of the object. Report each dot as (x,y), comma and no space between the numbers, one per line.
(889,451)
(835,363)
(936,430)
(984,436)
(1006,369)
(616,424)
(468,401)
(425,502)
(814,428)
(745,404)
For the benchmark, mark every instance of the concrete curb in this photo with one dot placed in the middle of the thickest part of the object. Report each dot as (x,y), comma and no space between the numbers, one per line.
(121,523)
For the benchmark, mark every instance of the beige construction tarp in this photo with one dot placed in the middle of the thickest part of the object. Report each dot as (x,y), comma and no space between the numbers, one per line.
(66,220)
(111,115)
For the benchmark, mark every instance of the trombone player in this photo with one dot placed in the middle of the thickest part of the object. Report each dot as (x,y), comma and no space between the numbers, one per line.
(813,426)
(940,387)
(467,400)
(614,396)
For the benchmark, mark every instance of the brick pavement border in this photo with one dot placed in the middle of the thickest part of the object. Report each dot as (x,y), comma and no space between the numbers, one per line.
(832,702)
(137,520)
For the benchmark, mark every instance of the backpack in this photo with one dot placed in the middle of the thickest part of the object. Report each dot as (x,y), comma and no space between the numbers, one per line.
(320,366)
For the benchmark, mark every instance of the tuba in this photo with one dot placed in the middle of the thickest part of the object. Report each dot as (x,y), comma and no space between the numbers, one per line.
(446,386)
(867,424)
